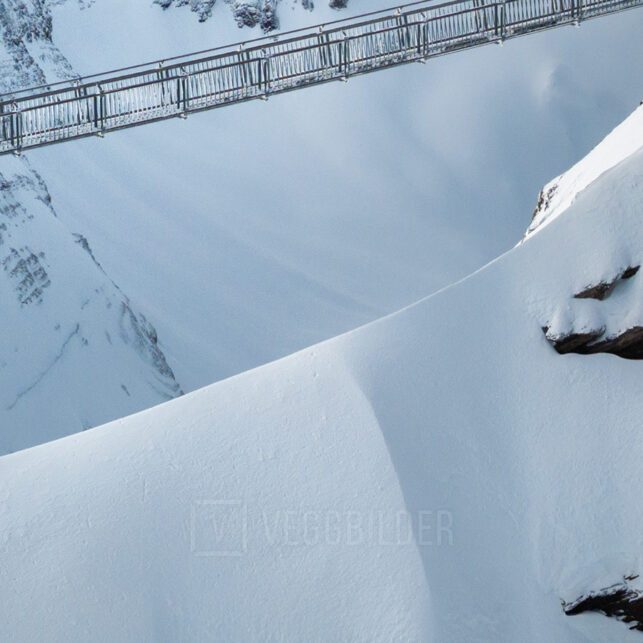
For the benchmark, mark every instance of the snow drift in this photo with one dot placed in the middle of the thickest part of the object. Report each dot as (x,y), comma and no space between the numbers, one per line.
(277,505)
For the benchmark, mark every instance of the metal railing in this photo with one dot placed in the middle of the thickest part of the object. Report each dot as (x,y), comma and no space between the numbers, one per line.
(260,68)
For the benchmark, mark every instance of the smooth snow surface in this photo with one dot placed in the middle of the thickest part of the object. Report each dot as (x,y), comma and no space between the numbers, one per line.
(520,469)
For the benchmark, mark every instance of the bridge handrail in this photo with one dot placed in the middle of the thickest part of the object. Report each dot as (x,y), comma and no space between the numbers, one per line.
(223,50)
(275,64)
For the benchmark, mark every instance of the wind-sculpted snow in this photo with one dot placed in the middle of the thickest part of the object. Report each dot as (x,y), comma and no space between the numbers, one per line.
(439,475)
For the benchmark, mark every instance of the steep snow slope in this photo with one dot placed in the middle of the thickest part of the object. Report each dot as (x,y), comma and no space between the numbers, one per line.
(275,505)
(74,351)
(558,194)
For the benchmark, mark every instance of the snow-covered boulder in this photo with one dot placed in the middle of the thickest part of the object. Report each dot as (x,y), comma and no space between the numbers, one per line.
(602,311)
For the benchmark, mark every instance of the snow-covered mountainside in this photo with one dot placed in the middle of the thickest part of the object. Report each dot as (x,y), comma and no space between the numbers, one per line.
(75,352)
(442,474)
(244,235)
(28,56)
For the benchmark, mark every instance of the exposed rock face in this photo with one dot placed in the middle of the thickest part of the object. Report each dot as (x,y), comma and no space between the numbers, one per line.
(26,29)
(247,13)
(544,202)
(603,289)
(620,601)
(627,342)
(573,342)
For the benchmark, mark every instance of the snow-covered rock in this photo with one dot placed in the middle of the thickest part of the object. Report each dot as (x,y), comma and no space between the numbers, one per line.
(28,56)
(560,193)
(247,13)
(441,474)
(603,312)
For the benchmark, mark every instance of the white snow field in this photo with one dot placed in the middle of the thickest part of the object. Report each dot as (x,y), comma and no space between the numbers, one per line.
(264,507)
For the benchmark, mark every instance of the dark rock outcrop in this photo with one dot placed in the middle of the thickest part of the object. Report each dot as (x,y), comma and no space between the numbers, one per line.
(604,289)
(573,342)
(24,22)
(247,13)
(544,200)
(627,343)
(618,601)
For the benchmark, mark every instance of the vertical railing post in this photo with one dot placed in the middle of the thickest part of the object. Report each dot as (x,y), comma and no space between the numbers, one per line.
(100,111)
(346,56)
(480,13)
(578,14)
(79,105)
(3,121)
(244,68)
(265,74)
(500,20)
(162,77)
(403,31)
(422,38)
(325,53)
(184,92)
(426,44)
(16,129)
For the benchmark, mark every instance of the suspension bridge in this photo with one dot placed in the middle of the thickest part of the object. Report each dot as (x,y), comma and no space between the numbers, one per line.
(260,68)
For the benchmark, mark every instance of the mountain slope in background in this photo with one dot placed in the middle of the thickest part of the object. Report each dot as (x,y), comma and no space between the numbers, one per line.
(268,506)
(74,352)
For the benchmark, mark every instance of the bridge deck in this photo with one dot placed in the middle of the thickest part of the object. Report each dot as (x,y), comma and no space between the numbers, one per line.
(275,64)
